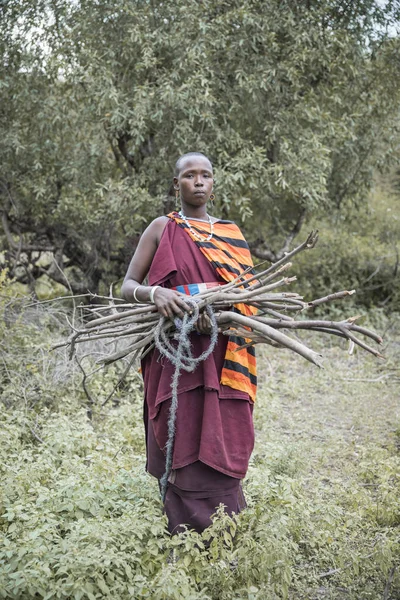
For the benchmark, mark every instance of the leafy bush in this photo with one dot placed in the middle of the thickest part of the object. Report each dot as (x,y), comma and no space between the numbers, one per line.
(358,249)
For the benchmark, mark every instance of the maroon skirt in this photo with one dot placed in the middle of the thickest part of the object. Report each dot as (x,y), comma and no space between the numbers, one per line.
(195,490)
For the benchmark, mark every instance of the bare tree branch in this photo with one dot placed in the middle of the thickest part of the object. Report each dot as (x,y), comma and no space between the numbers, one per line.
(260,250)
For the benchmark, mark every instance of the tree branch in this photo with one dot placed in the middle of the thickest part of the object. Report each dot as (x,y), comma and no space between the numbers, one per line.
(122,141)
(260,250)
(295,231)
(20,246)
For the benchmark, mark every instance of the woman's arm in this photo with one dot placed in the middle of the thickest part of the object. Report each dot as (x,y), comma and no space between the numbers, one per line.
(168,302)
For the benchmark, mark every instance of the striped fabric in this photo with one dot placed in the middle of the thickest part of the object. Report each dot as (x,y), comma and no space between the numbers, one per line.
(196,288)
(229,254)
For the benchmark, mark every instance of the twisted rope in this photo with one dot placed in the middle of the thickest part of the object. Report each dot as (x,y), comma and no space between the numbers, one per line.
(181,357)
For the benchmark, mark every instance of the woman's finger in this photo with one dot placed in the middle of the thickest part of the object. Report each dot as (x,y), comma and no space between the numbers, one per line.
(177,309)
(183,305)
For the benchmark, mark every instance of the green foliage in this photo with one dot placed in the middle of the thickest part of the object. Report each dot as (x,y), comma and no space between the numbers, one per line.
(294,102)
(357,249)
(80,518)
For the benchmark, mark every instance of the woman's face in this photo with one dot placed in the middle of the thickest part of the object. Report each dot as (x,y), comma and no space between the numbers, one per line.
(195,180)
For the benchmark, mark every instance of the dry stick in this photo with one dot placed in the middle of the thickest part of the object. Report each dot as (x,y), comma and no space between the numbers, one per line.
(145,309)
(273,305)
(138,322)
(267,278)
(307,244)
(353,338)
(263,277)
(323,325)
(258,296)
(249,293)
(257,303)
(343,327)
(235,283)
(122,378)
(237,330)
(272,312)
(260,340)
(340,329)
(100,307)
(71,325)
(328,331)
(121,315)
(147,315)
(273,334)
(255,339)
(377,338)
(310,324)
(239,281)
(111,302)
(73,297)
(34,432)
(72,340)
(93,371)
(117,327)
(334,296)
(114,334)
(89,410)
(346,566)
(106,360)
(122,353)
(284,281)
(143,337)
(149,348)
(388,585)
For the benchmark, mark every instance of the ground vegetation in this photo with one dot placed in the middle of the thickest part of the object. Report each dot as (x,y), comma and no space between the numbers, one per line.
(81,520)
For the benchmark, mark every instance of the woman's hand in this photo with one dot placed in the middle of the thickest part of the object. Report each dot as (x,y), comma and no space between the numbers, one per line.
(203,324)
(170,303)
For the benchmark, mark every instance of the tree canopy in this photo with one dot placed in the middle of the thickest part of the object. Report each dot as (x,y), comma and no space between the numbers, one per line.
(296,103)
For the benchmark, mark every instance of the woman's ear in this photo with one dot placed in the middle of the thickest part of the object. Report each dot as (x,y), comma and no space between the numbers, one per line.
(173,187)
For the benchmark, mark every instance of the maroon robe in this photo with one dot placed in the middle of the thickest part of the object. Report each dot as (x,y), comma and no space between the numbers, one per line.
(214,426)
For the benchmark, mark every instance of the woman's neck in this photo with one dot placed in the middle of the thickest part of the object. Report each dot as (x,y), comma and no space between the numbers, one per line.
(195,212)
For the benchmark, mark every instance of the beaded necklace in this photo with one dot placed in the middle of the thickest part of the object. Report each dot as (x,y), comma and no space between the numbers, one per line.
(194,232)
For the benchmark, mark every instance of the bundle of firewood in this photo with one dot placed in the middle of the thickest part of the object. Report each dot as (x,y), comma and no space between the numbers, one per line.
(132,326)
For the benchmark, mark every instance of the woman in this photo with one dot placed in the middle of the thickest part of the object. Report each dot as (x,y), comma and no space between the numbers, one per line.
(214,433)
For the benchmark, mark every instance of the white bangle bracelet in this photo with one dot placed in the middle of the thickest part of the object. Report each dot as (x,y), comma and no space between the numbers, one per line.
(153,289)
(134,293)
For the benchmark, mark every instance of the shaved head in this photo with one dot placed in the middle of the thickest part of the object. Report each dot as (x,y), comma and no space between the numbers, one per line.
(181,160)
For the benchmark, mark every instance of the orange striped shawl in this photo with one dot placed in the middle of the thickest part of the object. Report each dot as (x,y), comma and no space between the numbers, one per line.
(229,254)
